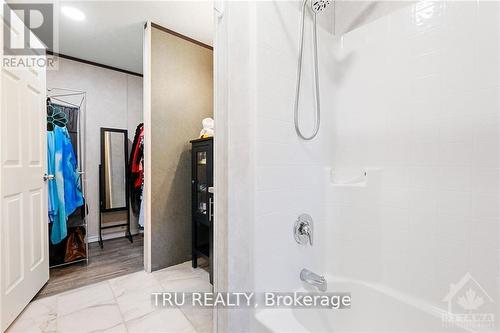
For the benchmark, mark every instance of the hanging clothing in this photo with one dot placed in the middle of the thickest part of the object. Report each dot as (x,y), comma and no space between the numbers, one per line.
(136,169)
(64,194)
(141,215)
(73,197)
(51,170)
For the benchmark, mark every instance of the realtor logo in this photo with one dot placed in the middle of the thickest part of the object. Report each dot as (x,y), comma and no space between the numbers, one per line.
(38,19)
(467,303)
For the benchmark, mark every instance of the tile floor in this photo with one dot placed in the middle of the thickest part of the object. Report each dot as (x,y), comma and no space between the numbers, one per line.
(121,304)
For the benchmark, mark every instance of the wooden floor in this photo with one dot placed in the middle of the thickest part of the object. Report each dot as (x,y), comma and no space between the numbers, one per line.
(119,257)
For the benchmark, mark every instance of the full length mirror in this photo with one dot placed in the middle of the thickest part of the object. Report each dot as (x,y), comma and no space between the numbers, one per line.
(113,169)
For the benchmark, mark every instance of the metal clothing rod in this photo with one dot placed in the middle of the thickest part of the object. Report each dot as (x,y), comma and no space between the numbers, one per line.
(65,89)
(69,94)
(72,92)
(65,102)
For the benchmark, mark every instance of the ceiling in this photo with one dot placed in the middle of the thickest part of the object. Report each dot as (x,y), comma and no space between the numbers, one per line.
(112,32)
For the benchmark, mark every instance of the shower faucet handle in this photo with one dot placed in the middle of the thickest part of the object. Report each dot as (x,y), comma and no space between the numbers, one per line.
(303,229)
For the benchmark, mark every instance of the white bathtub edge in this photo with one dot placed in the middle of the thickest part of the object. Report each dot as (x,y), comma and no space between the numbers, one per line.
(279,321)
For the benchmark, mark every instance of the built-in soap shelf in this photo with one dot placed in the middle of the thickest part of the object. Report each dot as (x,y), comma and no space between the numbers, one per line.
(351,177)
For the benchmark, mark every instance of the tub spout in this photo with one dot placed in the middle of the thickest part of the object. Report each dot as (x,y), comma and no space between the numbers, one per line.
(313,279)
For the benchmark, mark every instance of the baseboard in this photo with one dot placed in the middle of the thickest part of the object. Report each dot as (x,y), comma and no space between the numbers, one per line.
(111,235)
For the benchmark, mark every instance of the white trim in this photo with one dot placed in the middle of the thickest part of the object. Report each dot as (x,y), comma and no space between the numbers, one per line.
(147,145)
(220,166)
(235,119)
(2,320)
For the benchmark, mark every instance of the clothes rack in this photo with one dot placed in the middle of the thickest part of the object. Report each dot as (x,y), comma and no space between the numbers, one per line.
(76,99)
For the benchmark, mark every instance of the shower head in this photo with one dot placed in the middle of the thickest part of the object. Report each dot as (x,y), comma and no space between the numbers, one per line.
(319,5)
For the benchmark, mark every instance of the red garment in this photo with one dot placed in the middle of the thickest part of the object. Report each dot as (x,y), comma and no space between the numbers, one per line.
(137,161)
(136,169)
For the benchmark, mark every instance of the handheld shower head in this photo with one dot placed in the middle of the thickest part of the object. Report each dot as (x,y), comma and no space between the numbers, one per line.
(319,5)
(316,7)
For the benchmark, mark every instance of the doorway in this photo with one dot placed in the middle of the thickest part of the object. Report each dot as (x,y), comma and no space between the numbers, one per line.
(114,91)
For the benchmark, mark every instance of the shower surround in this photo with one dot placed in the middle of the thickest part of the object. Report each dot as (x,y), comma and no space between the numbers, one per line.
(402,181)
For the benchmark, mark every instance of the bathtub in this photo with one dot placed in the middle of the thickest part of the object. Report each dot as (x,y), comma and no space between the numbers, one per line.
(375,308)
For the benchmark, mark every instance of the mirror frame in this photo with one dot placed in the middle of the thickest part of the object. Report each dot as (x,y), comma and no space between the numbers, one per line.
(101,171)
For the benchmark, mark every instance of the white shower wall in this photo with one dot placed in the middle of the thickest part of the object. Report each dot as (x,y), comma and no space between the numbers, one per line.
(417,103)
(413,99)
(289,171)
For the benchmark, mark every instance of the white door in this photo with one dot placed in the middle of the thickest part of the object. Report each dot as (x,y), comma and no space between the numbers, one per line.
(24,262)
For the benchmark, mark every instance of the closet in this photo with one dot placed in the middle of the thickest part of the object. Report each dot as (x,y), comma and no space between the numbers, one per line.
(66,188)
(98,237)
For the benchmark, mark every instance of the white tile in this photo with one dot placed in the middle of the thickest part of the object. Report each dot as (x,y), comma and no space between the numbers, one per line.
(485,180)
(485,206)
(428,15)
(423,201)
(178,272)
(424,114)
(273,62)
(274,131)
(32,326)
(41,310)
(200,318)
(95,308)
(415,94)
(394,197)
(457,153)
(38,316)
(90,319)
(455,178)
(395,225)
(455,129)
(424,177)
(448,269)
(425,154)
(486,127)
(289,177)
(487,101)
(194,284)
(136,303)
(485,233)
(484,265)
(487,51)
(486,154)
(120,328)
(455,203)
(164,320)
(465,104)
(85,297)
(454,228)
(133,282)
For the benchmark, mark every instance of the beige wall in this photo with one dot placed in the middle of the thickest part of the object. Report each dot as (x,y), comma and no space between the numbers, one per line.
(181,96)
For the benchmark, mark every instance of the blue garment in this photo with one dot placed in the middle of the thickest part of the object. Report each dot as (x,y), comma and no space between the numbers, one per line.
(64,194)
(51,169)
(73,197)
